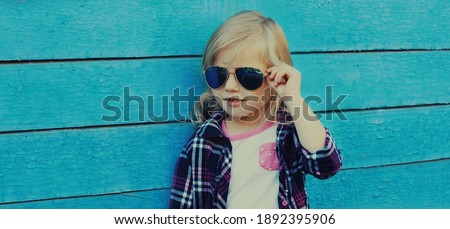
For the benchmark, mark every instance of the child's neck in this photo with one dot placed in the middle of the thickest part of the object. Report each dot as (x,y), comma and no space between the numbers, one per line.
(239,126)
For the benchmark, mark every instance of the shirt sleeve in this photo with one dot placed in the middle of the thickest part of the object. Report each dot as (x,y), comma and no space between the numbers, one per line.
(181,194)
(323,163)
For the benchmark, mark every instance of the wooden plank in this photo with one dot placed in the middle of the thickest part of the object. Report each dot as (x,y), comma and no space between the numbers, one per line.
(80,29)
(393,136)
(155,199)
(71,94)
(422,185)
(56,164)
(374,80)
(65,163)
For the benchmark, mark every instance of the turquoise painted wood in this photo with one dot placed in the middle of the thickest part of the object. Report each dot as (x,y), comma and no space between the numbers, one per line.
(89,162)
(384,137)
(61,95)
(156,199)
(58,164)
(389,187)
(90,29)
(56,152)
(421,185)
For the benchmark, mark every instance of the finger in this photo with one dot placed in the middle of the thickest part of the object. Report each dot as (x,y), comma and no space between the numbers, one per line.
(273,72)
(283,79)
(275,79)
(270,69)
(281,82)
(279,77)
(270,83)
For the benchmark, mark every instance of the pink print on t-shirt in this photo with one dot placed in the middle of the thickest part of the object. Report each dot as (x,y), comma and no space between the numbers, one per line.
(268,158)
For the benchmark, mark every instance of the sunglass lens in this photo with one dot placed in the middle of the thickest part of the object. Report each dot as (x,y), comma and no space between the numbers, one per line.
(216,76)
(250,78)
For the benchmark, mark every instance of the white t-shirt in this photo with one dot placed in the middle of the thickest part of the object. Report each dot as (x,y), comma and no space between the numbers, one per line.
(254,169)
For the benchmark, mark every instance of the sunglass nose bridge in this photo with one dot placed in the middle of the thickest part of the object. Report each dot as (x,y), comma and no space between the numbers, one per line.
(248,77)
(231,83)
(231,71)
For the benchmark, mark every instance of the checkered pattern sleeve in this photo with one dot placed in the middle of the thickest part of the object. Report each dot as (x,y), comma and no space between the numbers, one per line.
(181,195)
(323,163)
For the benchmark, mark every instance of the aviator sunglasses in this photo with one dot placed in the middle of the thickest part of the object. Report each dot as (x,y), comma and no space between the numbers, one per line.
(250,78)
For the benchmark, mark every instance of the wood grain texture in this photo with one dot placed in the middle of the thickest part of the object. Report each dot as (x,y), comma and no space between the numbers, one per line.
(61,95)
(384,137)
(422,185)
(81,29)
(72,94)
(57,152)
(56,164)
(155,199)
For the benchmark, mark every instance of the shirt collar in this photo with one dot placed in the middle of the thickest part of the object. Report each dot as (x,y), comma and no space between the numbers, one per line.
(212,127)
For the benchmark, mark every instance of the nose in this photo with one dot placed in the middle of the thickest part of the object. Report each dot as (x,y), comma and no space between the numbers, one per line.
(231,84)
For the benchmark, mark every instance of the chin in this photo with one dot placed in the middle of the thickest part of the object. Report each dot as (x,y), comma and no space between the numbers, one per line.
(239,114)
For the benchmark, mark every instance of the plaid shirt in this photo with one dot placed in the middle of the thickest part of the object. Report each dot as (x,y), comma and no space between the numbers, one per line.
(202,174)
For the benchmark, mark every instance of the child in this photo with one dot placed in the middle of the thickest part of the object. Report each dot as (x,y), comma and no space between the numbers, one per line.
(257,137)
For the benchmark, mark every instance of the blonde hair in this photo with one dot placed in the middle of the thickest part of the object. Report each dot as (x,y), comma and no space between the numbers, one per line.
(239,31)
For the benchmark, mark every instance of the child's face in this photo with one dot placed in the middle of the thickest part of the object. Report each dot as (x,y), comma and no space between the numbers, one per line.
(237,101)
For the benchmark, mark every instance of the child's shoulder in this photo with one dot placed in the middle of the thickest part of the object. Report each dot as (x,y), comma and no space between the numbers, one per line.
(210,127)
(205,132)
(207,136)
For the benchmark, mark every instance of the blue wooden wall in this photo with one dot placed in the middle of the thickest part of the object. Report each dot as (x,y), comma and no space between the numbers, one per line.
(59,60)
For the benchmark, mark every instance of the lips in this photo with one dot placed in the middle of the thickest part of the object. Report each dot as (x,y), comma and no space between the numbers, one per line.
(233,102)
